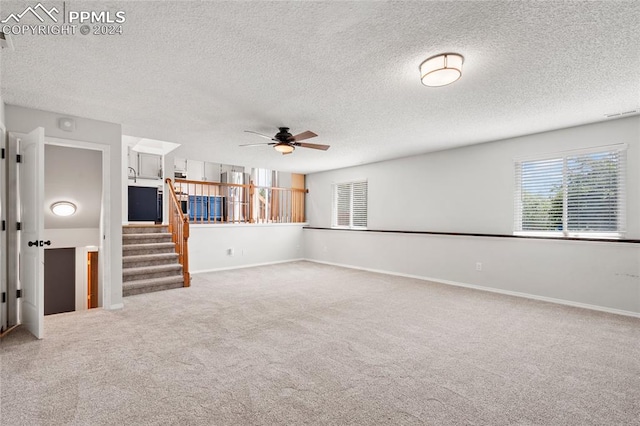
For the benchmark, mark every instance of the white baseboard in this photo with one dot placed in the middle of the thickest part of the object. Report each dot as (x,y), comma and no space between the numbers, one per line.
(227,268)
(116,307)
(490,289)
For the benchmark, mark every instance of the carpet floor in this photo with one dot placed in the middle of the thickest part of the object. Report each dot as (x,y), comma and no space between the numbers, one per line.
(305,343)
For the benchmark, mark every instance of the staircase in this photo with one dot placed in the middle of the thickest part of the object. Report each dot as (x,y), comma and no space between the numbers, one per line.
(149,260)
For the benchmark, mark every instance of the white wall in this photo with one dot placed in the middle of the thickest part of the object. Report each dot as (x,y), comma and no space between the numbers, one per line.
(23,120)
(75,237)
(470,190)
(253,244)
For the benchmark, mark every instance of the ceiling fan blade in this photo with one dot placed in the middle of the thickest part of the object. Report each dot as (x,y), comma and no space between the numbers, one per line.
(260,134)
(302,136)
(257,144)
(312,145)
(287,153)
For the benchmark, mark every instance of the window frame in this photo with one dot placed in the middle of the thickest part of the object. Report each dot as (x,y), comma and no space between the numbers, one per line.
(621,149)
(334,204)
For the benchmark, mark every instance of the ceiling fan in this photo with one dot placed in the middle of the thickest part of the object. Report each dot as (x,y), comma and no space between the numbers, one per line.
(286,143)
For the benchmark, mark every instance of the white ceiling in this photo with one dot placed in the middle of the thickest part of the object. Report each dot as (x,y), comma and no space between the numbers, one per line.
(73,174)
(199,73)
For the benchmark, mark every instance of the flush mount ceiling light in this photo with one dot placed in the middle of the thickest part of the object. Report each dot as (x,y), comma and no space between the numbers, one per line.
(63,208)
(284,148)
(441,70)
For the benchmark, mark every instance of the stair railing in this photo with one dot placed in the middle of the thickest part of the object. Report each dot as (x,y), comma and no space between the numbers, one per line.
(218,202)
(179,229)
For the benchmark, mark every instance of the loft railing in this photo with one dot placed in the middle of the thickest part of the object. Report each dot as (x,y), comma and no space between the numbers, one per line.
(216,202)
(179,229)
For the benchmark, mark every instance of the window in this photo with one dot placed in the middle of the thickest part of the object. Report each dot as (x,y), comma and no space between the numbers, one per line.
(576,194)
(350,205)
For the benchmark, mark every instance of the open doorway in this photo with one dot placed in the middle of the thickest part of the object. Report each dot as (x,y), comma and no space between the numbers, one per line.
(73,175)
(25,205)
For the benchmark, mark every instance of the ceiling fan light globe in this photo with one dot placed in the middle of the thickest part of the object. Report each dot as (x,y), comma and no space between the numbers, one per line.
(284,148)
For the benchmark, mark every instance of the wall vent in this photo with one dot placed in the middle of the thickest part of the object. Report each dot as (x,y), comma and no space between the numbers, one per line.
(622,114)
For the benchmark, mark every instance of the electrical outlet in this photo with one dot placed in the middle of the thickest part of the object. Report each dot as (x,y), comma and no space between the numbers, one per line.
(478,266)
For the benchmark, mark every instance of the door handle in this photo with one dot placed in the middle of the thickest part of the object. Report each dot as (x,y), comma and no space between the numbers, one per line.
(39,243)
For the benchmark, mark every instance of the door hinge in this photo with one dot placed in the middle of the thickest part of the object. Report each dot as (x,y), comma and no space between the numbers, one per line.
(19,293)
(18,158)
(4,297)
(19,226)
(4,225)
(2,152)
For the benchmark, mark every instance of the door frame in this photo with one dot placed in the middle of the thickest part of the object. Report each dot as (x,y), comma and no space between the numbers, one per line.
(3,233)
(104,248)
(82,277)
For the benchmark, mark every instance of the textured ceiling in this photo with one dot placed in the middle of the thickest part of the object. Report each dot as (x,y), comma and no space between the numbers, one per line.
(75,175)
(199,73)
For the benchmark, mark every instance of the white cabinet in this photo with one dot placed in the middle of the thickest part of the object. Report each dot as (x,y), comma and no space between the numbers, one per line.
(195,170)
(149,166)
(180,165)
(211,172)
(203,170)
(146,166)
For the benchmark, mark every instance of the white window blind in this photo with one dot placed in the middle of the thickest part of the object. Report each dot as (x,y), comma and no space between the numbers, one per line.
(575,194)
(350,205)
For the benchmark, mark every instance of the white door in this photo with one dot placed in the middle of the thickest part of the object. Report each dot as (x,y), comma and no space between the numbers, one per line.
(3,257)
(31,193)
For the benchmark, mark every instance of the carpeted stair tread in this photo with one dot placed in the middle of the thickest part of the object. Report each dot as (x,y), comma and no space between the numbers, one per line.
(131,288)
(140,260)
(128,239)
(133,247)
(158,235)
(149,260)
(149,270)
(144,229)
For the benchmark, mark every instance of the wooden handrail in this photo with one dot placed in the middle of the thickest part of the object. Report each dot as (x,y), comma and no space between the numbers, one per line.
(239,185)
(221,202)
(179,229)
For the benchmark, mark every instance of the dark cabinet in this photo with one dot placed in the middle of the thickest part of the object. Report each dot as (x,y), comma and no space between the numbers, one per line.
(145,204)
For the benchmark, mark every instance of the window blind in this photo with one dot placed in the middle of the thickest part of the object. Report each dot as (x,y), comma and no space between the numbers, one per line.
(350,205)
(359,205)
(581,193)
